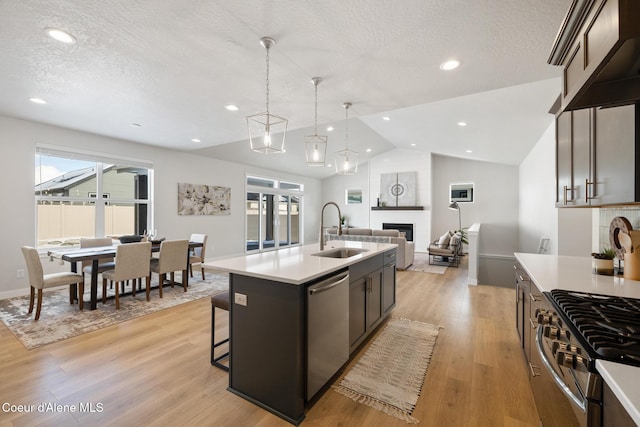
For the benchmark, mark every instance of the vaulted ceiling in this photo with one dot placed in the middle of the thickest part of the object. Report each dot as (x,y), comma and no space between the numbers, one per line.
(172,67)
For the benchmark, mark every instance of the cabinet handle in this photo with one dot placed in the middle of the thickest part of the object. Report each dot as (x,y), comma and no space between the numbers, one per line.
(533,373)
(532,298)
(586,190)
(533,325)
(567,189)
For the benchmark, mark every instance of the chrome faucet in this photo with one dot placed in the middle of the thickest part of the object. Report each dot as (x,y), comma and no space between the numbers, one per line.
(322,234)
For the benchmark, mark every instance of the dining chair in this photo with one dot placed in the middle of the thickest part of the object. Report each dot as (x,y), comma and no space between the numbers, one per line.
(197,254)
(132,262)
(38,280)
(173,257)
(103,264)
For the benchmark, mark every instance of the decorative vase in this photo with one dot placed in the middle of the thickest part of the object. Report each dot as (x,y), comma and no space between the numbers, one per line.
(602,266)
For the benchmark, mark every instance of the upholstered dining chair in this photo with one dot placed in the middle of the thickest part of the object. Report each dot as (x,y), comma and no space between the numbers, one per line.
(38,280)
(132,262)
(197,254)
(173,257)
(103,264)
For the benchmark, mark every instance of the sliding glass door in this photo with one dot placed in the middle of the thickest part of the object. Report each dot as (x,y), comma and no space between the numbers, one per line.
(272,217)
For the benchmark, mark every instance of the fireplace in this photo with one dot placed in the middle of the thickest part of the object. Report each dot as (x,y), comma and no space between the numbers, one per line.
(405,228)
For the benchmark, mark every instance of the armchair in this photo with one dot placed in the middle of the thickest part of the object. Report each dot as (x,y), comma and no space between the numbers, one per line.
(446,250)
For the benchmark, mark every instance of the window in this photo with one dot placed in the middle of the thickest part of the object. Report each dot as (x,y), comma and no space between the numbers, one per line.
(85,195)
(273,211)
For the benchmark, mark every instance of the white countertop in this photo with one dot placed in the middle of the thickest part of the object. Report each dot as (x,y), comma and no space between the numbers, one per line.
(623,381)
(550,272)
(296,265)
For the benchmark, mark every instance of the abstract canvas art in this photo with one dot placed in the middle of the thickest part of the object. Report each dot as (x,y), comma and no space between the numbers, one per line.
(201,199)
(398,189)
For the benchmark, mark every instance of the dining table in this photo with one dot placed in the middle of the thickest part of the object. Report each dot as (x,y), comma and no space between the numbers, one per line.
(75,255)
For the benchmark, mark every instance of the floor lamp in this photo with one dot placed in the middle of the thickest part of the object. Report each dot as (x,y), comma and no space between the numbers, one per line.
(456,207)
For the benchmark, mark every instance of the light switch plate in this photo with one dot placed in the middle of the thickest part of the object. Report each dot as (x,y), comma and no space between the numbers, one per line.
(240,299)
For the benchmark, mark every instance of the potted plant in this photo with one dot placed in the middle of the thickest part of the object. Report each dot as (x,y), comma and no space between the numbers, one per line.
(603,261)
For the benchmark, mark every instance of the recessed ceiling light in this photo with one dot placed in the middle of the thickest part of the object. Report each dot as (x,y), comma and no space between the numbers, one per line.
(329,165)
(369,150)
(413,144)
(136,125)
(386,119)
(37,100)
(61,36)
(462,124)
(469,151)
(329,128)
(195,140)
(451,64)
(231,107)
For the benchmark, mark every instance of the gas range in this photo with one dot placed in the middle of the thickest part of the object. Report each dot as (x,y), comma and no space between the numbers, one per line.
(607,327)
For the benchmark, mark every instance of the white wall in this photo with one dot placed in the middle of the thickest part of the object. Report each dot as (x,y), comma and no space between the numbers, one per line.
(397,161)
(538,214)
(570,229)
(495,207)
(333,190)
(18,139)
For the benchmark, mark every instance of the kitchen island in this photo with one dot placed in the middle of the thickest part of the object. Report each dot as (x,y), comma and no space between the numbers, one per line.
(550,272)
(288,335)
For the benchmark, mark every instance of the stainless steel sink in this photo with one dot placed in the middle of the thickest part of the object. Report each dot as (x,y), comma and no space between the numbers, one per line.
(340,252)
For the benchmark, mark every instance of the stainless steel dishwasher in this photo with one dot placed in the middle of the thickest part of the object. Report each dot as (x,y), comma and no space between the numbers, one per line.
(327,330)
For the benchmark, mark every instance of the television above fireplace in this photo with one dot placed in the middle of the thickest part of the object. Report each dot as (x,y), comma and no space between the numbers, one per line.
(405,228)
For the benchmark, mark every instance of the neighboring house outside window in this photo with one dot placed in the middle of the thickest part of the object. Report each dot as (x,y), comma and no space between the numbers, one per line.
(84,195)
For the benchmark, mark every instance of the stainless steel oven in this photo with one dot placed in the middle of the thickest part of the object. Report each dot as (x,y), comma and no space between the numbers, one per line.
(566,393)
(573,330)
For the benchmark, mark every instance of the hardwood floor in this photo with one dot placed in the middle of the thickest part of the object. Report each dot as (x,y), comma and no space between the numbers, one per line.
(155,370)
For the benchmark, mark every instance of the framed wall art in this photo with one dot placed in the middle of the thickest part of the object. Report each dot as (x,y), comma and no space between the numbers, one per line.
(202,199)
(353,197)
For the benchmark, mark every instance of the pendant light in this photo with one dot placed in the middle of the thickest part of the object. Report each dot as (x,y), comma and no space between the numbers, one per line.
(267,131)
(347,160)
(315,146)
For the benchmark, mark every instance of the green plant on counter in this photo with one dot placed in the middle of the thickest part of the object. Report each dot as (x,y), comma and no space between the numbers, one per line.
(606,253)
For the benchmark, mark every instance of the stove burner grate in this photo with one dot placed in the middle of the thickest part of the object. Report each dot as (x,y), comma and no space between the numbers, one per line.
(609,325)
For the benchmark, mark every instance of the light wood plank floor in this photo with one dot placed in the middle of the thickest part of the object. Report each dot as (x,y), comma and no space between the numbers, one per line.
(155,370)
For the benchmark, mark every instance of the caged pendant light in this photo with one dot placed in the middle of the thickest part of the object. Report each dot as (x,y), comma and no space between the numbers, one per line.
(347,160)
(267,131)
(315,146)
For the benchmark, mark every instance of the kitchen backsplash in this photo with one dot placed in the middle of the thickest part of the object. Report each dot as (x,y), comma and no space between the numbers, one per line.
(632,213)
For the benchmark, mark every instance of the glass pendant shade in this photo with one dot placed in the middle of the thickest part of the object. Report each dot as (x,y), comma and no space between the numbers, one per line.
(346,160)
(267,131)
(315,146)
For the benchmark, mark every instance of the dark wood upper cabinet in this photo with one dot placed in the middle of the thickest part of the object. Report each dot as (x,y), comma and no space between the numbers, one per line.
(616,148)
(598,157)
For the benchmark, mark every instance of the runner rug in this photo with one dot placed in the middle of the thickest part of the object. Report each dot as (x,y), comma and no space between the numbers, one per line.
(390,374)
(60,320)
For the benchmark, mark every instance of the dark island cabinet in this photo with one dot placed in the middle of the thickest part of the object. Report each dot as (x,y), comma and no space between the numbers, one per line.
(597,160)
(372,285)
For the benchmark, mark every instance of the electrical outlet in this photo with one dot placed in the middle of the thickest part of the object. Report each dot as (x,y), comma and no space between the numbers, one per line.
(19,274)
(240,299)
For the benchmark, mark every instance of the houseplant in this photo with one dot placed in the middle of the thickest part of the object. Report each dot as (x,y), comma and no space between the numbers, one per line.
(602,262)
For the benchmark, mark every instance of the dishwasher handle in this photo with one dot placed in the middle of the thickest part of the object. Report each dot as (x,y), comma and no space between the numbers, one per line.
(330,283)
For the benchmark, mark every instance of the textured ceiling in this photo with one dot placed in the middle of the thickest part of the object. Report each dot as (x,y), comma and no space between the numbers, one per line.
(172,66)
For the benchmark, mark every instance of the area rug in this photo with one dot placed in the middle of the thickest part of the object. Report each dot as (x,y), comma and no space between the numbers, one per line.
(421,263)
(389,376)
(60,320)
